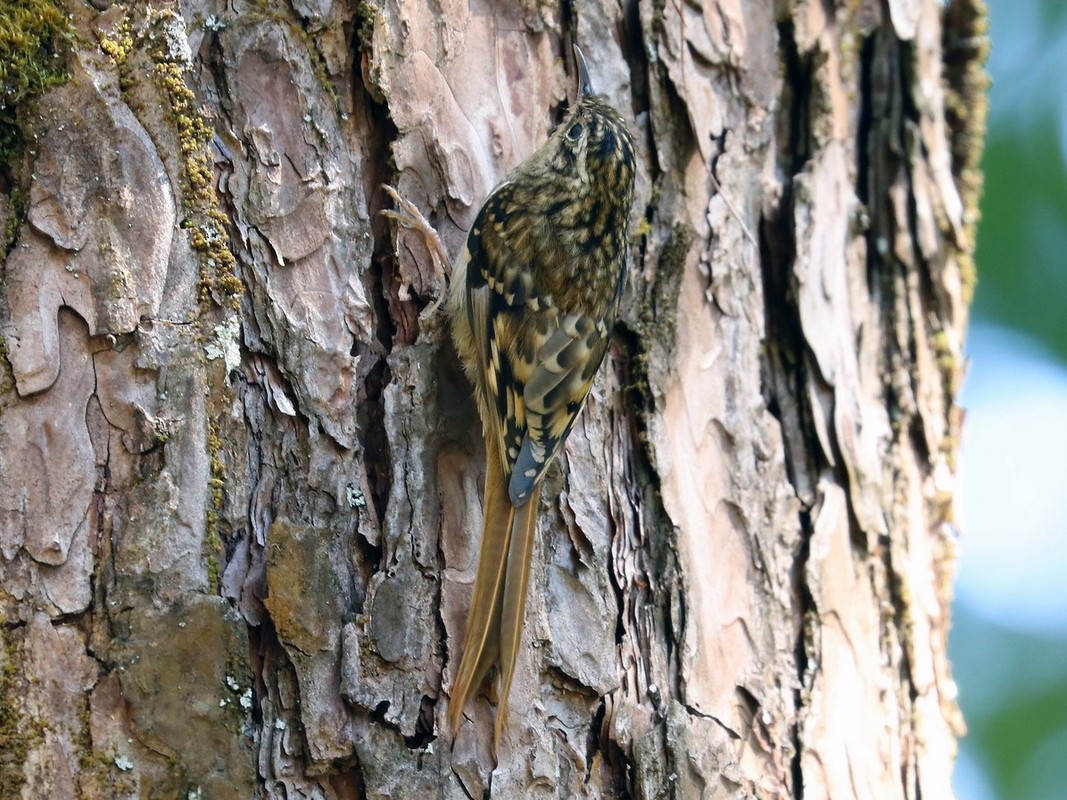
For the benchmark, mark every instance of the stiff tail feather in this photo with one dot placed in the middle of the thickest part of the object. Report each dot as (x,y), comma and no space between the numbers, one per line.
(495,619)
(513,604)
(481,644)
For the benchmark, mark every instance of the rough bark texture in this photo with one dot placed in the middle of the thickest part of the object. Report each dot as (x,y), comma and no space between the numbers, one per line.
(239,471)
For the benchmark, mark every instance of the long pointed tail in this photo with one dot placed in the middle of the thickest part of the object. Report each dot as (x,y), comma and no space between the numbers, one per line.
(498,604)
(513,605)
(481,644)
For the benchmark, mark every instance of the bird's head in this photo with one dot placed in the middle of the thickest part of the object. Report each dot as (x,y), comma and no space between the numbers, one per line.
(592,143)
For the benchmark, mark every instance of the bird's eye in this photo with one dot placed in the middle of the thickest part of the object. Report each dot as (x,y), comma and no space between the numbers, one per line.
(575,131)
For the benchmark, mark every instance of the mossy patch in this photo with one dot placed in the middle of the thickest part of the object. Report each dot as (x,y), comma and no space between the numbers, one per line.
(17,732)
(966,48)
(154,44)
(267,12)
(660,314)
(212,541)
(35,42)
(206,224)
(7,374)
(369,19)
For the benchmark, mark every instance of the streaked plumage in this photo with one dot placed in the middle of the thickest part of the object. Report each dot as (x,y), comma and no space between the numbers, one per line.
(533,300)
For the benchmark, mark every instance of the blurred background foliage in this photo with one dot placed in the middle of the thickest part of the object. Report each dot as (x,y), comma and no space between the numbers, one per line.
(1009,638)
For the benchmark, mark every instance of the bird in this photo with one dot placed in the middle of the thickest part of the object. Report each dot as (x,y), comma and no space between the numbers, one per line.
(533,299)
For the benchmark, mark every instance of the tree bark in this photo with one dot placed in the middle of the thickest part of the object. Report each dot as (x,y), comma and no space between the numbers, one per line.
(240,466)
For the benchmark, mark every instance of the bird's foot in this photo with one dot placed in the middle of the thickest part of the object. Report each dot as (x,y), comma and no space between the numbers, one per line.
(408,216)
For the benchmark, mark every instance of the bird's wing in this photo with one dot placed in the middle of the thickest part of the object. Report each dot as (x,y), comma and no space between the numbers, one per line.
(538,361)
(499,290)
(556,360)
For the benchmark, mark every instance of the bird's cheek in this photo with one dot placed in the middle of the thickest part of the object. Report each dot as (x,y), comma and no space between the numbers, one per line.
(581,170)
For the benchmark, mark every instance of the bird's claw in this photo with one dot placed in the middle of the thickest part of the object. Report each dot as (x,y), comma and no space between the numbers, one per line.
(407,215)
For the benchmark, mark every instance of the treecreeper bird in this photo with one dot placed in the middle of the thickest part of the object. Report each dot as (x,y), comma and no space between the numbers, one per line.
(533,299)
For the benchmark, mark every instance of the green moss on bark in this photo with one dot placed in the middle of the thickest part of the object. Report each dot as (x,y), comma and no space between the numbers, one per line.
(35,37)
(18,733)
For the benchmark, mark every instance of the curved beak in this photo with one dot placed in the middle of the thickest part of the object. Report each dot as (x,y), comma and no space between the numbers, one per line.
(585,85)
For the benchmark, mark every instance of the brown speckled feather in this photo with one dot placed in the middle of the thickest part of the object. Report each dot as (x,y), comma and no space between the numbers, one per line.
(534,297)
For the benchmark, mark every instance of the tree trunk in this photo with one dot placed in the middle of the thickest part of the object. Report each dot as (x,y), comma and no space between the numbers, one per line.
(240,466)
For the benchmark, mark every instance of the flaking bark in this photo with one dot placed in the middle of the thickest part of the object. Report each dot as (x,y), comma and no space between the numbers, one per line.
(238,529)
